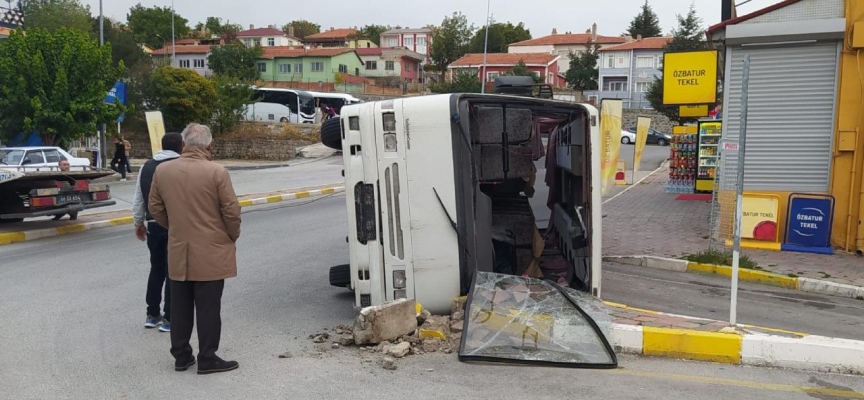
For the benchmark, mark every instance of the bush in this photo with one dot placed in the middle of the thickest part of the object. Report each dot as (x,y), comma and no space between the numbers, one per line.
(716,257)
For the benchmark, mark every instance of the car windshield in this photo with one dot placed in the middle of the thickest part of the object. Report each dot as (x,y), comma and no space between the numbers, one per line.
(11,157)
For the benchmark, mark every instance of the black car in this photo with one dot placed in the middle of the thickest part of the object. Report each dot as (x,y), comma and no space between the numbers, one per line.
(654,136)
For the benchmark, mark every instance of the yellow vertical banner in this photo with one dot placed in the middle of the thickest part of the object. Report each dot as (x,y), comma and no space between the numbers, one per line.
(156,127)
(642,125)
(611,112)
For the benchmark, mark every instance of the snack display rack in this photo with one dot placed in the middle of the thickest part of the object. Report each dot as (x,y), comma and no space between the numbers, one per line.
(684,158)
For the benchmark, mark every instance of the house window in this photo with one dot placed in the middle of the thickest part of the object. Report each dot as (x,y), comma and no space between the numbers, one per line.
(645,62)
(608,60)
(421,41)
(298,68)
(271,41)
(490,76)
(371,65)
(616,60)
(407,67)
(184,64)
(284,68)
(389,65)
(199,63)
(317,66)
(409,42)
(615,84)
(392,42)
(262,67)
(248,42)
(343,68)
(642,87)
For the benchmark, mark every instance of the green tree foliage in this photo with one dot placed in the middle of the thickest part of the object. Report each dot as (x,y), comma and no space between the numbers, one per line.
(152,25)
(232,97)
(124,48)
(302,28)
(583,73)
(646,23)
(463,82)
(522,70)
(687,36)
(55,84)
(451,40)
(55,14)
(183,96)
(501,35)
(215,26)
(372,33)
(236,61)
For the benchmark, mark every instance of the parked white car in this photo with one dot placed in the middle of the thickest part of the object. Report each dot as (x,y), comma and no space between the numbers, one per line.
(40,158)
(627,137)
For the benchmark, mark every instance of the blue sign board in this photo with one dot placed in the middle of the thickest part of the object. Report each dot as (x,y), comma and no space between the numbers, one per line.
(809,221)
(117,93)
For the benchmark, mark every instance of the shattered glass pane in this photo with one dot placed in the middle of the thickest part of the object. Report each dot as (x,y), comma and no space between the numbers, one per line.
(525,320)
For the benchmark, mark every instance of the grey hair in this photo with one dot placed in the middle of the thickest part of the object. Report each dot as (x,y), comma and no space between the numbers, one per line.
(197,135)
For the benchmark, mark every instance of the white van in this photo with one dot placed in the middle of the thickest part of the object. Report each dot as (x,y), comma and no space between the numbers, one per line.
(438,187)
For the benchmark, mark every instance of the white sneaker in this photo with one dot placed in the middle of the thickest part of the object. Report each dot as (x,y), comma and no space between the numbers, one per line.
(123,180)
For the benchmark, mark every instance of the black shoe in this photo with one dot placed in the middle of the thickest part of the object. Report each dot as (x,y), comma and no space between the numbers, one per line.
(57,217)
(182,366)
(219,365)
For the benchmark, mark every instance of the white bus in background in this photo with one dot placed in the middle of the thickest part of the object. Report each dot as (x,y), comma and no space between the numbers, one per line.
(282,105)
(335,100)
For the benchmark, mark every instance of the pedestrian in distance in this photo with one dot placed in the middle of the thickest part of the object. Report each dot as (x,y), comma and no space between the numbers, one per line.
(194,199)
(156,236)
(120,161)
(128,152)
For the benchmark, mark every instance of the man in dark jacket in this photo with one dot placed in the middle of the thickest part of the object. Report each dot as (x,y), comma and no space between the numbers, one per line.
(155,235)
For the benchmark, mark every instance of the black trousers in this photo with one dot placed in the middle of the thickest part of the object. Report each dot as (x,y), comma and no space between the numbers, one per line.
(189,298)
(157,242)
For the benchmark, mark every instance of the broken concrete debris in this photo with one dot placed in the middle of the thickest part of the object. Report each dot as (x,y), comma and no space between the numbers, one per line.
(386,322)
(388,363)
(346,340)
(286,354)
(320,337)
(398,350)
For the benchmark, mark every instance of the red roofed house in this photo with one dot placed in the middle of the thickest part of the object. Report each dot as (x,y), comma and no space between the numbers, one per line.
(543,64)
(311,66)
(267,37)
(392,64)
(563,44)
(346,38)
(192,57)
(628,70)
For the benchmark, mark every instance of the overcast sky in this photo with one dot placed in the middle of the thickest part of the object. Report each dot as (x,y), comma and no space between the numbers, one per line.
(540,16)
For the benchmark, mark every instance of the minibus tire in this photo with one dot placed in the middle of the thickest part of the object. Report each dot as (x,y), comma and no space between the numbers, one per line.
(331,133)
(340,276)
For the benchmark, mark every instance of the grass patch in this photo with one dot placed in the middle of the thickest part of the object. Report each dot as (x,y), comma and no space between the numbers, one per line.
(720,258)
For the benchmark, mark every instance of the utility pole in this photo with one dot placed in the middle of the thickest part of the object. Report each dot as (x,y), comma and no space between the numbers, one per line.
(173,41)
(485,48)
(103,159)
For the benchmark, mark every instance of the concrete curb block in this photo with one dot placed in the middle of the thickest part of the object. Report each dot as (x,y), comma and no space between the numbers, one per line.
(809,285)
(26,236)
(811,353)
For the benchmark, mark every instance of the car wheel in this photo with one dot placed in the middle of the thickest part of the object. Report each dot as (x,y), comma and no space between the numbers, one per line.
(331,133)
(340,276)
(284,119)
(661,142)
(625,140)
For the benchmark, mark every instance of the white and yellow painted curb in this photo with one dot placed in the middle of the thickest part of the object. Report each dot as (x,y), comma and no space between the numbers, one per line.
(809,285)
(811,353)
(26,236)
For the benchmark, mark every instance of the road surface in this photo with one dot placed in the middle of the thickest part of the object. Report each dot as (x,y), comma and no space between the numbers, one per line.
(74,308)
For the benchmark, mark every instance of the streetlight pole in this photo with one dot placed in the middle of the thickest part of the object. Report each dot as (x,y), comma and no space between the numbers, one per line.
(103,159)
(173,41)
(485,48)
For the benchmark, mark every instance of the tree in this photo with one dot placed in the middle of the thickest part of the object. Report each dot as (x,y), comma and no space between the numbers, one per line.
(372,33)
(302,28)
(451,40)
(152,25)
(215,26)
(522,70)
(232,97)
(124,48)
(463,82)
(646,23)
(55,14)
(236,61)
(583,73)
(687,37)
(501,35)
(55,84)
(183,96)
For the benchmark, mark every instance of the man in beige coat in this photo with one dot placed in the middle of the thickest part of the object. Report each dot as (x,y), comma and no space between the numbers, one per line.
(193,198)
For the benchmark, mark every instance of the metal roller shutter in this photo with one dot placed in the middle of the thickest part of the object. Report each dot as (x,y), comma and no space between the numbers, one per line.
(791,115)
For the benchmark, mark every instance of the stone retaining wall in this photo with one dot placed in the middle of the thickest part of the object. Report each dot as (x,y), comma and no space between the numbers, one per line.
(658,121)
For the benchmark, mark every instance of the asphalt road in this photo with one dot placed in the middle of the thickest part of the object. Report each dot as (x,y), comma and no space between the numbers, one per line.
(707,296)
(74,309)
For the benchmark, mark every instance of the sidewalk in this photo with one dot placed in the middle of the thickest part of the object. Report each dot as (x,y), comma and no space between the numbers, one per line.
(647,221)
